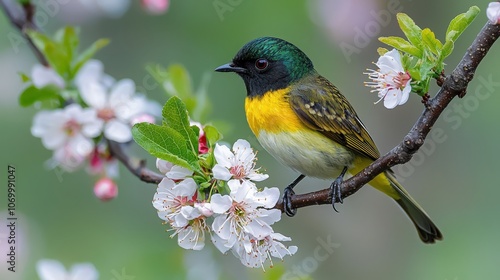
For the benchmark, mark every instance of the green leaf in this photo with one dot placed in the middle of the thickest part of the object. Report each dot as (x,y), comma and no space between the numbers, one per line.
(460,23)
(39,39)
(446,51)
(33,94)
(178,82)
(402,45)
(88,54)
(430,41)
(381,51)
(165,143)
(68,38)
(175,116)
(24,77)
(52,51)
(212,134)
(57,58)
(410,29)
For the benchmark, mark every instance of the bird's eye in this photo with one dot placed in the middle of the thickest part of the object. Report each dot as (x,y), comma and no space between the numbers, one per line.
(261,64)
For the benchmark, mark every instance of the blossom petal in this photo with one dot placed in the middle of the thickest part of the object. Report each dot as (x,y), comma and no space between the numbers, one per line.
(90,72)
(42,76)
(180,221)
(191,238)
(220,243)
(240,190)
(220,204)
(223,155)
(166,185)
(222,227)
(94,94)
(190,212)
(51,270)
(186,187)
(179,173)
(392,98)
(121,93)
(257,177)
(268,197)
(221,173)
(80,145)
(163,165)
(83,271)
(118,131)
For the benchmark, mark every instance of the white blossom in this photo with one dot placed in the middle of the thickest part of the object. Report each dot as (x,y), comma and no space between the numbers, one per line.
(254,252)
(177,204)
(390,81)
(116,106)
(242,213)
(69,132)
(236,165)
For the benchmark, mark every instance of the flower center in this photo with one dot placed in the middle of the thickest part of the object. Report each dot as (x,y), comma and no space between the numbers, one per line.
(401,79)
(106,114)
(71,127)
(238,171)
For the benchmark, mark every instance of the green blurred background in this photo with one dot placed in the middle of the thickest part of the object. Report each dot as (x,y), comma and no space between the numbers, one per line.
(60,218)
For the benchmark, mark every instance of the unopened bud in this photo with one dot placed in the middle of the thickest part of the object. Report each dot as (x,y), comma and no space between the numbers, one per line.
(155,7)
(493,12)
(105,189)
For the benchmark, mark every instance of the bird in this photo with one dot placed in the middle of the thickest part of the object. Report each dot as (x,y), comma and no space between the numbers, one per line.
(305,123)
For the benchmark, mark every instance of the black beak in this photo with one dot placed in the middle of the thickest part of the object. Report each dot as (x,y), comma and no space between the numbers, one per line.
(230,67)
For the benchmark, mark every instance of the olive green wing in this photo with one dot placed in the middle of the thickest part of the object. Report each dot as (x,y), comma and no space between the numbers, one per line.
(321,106)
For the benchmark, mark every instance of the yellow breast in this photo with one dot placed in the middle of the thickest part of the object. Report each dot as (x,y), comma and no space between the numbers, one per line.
(271,113)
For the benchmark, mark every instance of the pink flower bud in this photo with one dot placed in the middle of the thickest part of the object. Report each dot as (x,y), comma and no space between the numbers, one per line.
(95,162)
(202,144)
(155,7)
(202,139)
(105,189)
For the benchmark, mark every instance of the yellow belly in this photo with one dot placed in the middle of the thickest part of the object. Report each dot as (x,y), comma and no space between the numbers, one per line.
(271,113)
(293,144)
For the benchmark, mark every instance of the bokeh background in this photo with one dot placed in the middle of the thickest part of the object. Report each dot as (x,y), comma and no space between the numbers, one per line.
(455,179)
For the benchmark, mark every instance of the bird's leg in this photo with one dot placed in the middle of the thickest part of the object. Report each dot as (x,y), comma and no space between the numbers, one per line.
(287,197)
(335,191)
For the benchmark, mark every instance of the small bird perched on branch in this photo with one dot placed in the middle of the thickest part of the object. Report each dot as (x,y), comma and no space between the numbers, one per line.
(304,121)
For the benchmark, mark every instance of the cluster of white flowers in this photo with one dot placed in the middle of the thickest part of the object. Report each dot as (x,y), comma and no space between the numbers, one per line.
(239,221)
(103,107)
(390,81)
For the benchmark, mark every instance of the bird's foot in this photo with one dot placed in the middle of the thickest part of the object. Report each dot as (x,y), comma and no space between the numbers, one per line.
(336,190)
(288,193)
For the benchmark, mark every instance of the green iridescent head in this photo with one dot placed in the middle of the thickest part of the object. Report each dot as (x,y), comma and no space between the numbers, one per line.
(269,63)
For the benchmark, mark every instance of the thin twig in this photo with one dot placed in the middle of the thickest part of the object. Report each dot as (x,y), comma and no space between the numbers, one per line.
(23,21)
(138,167)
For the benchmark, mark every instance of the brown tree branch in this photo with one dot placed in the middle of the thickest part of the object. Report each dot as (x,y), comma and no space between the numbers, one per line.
(453,85)
(138,167)
(21,16)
